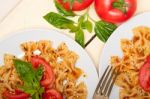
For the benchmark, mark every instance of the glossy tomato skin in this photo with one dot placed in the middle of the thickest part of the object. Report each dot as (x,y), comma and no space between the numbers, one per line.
(48,76)
(77,6)
(17,95)
(105,10)
(52,94)
(144,75)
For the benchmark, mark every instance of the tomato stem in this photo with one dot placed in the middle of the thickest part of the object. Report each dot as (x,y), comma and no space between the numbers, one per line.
(71,2)
(120,5)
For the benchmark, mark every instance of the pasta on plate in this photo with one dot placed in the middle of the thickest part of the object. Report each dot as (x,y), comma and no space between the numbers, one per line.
(62,61)
(134,53)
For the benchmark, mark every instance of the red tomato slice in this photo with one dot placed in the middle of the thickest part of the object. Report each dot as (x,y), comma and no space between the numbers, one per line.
(52,94)
(144,75)
(48,77)
(17,95)
(106,11)
(148,59)
(77,6)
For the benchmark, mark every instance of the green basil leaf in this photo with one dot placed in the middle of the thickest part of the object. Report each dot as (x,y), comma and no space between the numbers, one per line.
(30,91)
(28,88)
(87,25)
(81,19)
(35,96)
(63,11)
(79,37)
(39,73)
(41,90)
(58,21)
(104,29)
(73,28)
(24,70)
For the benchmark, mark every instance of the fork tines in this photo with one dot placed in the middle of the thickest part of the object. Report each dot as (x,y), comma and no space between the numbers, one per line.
(106,82)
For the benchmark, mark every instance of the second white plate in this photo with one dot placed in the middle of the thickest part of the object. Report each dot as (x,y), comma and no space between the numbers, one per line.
(112,46)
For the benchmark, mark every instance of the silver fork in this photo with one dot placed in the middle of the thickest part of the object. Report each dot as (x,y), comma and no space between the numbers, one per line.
(105,84)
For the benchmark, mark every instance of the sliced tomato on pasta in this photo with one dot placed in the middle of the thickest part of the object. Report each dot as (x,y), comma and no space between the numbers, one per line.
(144,75)
(148,59)
(17,95)
(52,94)
(48,76)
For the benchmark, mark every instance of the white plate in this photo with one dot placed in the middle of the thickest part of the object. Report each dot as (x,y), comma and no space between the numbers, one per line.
(11,45)
(112,46)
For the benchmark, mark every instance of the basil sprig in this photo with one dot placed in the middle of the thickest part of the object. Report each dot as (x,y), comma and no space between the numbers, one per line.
(30,77)
(61,20)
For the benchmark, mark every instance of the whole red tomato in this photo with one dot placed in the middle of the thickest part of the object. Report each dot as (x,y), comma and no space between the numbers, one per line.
(115,11)
(76,6)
